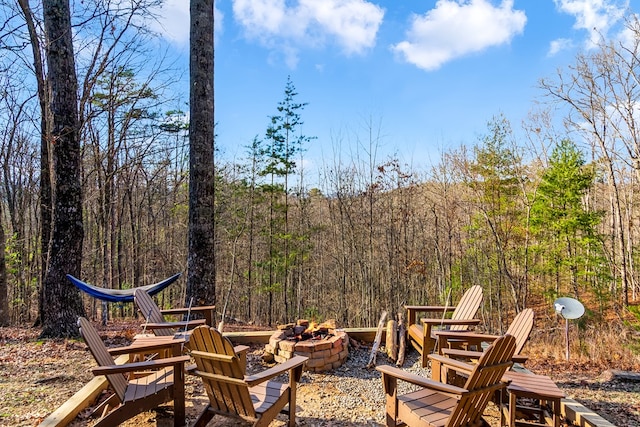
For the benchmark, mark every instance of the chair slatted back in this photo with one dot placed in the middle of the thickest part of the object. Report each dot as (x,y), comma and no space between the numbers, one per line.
(150,311)
(221,371)
(99,351)
(467,307)
(483,381)
(521,328)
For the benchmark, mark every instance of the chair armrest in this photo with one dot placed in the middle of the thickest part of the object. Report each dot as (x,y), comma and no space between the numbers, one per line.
(175,325)
(413,309)
(208,311)
(138,366)
(147,347)
(519,358)
(428,308)
(198,309)
(450,322)
(241,352)
(461,354)
(466,336)
(468,354)
(420,380)
(440,365)
(263,376)
(241,349)
(450,363)
(446,337)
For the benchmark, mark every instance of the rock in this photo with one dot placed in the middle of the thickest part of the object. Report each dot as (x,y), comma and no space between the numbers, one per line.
(617,374)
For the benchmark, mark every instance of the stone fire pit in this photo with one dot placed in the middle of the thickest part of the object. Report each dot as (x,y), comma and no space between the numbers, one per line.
(324,345)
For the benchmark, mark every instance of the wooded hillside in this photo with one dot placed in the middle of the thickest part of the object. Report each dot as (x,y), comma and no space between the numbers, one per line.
(529,215)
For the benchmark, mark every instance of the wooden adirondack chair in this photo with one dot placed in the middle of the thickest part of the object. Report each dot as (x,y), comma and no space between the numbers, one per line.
(468,345)
(163,381)
(252,398)
(154,317)
(161,328)
(421,334)
(445,405)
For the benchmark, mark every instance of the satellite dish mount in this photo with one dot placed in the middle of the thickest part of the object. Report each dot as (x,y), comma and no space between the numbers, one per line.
(568,308)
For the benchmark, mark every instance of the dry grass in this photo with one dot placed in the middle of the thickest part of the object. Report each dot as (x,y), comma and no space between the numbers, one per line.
(611,345)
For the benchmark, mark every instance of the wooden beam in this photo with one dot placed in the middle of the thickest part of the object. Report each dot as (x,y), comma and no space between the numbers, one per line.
(582,416)
(83,398)
(252,337)
(367,335)
(262,337)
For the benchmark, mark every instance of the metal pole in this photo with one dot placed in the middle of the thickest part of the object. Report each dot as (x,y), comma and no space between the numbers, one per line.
(566,336)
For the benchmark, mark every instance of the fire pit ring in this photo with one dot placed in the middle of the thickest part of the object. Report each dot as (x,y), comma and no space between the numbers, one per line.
(326,347)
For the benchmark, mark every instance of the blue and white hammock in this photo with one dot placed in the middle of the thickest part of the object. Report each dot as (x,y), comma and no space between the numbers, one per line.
(120,295)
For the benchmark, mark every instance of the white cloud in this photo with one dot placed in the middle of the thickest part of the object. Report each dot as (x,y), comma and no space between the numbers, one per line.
(353,23)
(173,21)
(288,26)
(595,16)
(456,28)
(559,45)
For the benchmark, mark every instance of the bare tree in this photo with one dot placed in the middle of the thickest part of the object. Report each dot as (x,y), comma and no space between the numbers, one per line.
(600,94)
(201,280)
(46,194)
(4,303)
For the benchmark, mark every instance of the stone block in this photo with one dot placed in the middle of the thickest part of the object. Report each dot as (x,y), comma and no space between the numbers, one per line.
(279,358)
(287,345)
(314,363)
(322,345)
(332,359)
(285,353)
(305,346)
(335,350)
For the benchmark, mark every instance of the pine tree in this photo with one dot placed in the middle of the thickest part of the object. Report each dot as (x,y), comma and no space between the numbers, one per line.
(283,142)
(565,228)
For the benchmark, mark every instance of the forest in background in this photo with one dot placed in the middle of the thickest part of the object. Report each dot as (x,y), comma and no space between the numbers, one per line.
(529,216)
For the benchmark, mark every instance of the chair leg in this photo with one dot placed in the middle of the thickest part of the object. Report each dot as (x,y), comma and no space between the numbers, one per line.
(424,358)
(179,412)
(205,416)
(102,409)
(427,349)
(390,385)
(292,401)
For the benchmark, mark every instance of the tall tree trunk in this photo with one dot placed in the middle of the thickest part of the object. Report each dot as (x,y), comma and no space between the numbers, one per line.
(201,257)
(4,291)
(46,199)
(62,303)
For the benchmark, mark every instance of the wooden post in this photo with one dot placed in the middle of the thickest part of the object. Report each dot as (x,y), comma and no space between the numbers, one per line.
(402,339)
(376,343)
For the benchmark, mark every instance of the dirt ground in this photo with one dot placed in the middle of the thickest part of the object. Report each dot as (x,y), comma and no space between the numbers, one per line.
(36,377)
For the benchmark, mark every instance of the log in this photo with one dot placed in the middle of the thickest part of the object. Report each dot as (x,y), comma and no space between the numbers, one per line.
(402,338)
(354,343)
(617,374)
(376,343)
(391,345)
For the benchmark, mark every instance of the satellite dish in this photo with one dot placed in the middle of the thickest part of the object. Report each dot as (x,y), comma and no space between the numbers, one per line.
(569,308)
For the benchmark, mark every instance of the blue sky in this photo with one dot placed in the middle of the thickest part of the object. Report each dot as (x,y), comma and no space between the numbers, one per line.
(426,75)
